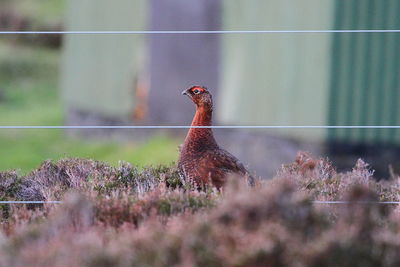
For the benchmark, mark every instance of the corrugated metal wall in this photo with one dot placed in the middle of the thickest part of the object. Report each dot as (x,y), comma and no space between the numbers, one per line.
(365,74)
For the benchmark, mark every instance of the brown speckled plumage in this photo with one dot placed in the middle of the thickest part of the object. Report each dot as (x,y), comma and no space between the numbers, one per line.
(201,160)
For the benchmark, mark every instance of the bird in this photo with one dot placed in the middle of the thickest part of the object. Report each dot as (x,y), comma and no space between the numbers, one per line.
(201,160)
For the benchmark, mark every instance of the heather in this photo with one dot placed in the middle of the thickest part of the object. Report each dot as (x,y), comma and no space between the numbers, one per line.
(123,216)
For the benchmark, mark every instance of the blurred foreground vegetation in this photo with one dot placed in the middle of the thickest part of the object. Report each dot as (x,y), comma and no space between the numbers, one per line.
(122,216)
(29,95)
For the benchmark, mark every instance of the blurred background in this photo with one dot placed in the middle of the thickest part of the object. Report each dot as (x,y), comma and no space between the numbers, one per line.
(256,79)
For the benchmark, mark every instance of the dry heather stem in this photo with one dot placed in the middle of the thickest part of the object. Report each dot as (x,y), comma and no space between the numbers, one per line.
(125,217)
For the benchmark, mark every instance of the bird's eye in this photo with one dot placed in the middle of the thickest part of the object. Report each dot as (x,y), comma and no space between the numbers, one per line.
(196,91)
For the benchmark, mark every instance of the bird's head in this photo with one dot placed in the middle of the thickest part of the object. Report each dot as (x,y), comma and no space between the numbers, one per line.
(199,95)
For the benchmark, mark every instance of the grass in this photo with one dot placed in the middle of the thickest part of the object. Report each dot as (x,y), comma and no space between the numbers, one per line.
(42,12)
(26,150)
(29,96)
(29,85)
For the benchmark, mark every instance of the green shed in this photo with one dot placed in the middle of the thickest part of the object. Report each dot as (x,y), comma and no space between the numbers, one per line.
(365,72)
(100,71)
(313,78)
(257,79)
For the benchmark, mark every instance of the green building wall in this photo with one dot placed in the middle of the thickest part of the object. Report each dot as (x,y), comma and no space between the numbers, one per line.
(276,79)
(99,71)
(313,79)
(265,79)
(365,76)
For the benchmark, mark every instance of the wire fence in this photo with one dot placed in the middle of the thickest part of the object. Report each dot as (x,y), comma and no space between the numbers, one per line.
(200,32)
(314,202)
(31,202)
(208,127)
(213,127)
(357,202)
(205,32)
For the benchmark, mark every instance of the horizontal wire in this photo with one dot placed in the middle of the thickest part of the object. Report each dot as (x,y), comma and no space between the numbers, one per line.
(199,32)
(314,202)
(31,202)
(357,202)
(207,127)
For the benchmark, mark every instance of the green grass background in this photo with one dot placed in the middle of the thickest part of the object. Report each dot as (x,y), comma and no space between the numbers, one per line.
(29,95)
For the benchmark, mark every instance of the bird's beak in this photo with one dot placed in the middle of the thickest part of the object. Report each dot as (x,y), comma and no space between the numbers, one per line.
(187,93)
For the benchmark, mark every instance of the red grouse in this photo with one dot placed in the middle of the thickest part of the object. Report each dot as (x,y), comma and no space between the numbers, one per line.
(201,160)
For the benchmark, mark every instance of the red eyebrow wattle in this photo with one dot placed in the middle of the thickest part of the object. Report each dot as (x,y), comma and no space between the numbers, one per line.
(198,88)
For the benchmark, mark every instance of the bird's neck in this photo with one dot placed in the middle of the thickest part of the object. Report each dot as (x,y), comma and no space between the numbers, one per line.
(202,117)
(198,137)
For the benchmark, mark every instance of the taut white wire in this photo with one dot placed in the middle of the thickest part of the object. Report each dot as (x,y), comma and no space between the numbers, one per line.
(314,202)
(30,202)
(357,202)
(200,32)
(212,127)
